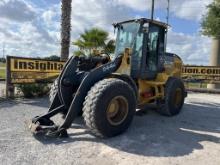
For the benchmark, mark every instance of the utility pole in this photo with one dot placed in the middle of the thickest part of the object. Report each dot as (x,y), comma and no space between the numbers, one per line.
(168,16)
(168,11)
(152,10)
(3,50)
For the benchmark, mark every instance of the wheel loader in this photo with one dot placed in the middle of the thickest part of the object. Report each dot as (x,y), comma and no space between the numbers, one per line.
(107,90)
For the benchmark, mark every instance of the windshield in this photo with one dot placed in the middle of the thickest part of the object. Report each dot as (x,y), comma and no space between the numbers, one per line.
(126,36)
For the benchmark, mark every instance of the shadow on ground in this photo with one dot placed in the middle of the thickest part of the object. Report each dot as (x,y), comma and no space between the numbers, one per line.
(155,135)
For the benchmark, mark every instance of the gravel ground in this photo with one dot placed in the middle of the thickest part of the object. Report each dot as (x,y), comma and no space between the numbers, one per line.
(2,89)
(193,137)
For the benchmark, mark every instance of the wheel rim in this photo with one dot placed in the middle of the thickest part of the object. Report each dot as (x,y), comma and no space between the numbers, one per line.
(178,97)
(117,110)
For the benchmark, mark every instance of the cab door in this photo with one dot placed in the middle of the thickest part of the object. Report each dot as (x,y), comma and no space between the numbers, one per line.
(153,49)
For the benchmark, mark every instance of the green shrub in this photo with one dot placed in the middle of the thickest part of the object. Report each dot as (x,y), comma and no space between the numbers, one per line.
(33,90)
(2,73)
(3,60)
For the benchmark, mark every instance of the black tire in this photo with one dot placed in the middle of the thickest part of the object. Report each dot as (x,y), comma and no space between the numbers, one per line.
(169,106)
(52,93)
(53,90)
(97,103)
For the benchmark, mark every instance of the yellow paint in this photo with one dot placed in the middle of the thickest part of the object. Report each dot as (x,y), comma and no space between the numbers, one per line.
(25,70)
(35,65)
(125,67)
(200,71)
(155,87)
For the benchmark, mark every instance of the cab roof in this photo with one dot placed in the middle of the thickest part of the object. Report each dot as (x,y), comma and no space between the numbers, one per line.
(145,20)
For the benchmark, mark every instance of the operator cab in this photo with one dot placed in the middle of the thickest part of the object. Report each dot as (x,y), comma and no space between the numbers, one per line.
(146,39)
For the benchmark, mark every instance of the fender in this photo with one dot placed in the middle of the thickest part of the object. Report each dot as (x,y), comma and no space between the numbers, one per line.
(129,80)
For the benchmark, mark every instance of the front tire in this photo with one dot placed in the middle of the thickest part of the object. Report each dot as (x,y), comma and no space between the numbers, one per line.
(109,107)
(53,90)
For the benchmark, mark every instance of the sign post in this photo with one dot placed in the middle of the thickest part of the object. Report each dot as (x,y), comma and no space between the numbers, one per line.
(9,86)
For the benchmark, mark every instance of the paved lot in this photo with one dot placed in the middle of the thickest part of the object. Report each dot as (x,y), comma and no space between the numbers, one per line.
(193,137)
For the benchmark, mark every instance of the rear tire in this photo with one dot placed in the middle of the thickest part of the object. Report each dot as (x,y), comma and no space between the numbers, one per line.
(109,107)
(174,98)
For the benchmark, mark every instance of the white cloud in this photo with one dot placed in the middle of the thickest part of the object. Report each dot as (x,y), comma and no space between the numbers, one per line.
(21,30)
(26,34)
(190,10)
(97,13)
(185,9)
(141,5)
(193,49)
(17,10)
(48,17)
(144,5)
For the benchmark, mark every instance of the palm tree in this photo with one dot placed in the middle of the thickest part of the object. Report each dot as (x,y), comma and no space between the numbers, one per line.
(65,28)
(110,47)
(94,39)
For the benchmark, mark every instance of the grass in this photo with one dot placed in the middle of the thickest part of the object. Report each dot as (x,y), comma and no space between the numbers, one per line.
(2,64)
(196,85)
(2,73)
(2,70)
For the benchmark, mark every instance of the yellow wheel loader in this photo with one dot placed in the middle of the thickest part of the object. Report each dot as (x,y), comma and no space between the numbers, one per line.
(107,90)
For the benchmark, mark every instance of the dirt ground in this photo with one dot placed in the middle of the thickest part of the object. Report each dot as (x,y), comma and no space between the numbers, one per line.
(193,137)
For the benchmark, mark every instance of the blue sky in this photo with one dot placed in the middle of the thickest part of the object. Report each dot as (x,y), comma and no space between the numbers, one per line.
(31,27)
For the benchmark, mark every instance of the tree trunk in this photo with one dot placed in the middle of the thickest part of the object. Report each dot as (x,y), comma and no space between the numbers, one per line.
(215,59)
(65,28)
